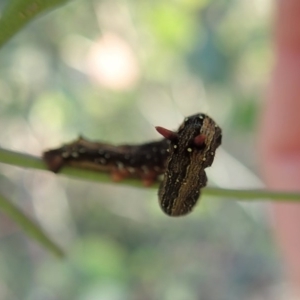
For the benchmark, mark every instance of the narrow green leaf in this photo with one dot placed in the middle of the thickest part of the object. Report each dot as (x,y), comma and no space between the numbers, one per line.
(29,226)
(19,12)
(27,161)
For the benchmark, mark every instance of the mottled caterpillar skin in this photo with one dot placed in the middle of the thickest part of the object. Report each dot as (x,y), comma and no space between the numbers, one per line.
(192,149)
(146,161)
(181,156)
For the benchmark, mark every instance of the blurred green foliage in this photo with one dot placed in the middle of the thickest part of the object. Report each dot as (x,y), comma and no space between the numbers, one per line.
(17,13)
(111,70)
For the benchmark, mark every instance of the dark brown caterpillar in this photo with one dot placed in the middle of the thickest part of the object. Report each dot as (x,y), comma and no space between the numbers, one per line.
(181,156)
(192,149)
(146,161)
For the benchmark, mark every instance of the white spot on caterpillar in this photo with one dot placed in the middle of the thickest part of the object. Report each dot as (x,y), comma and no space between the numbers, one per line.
(204,159)
(201,117)
(175,146)
(65,154)
(168,150)
(131,170)
(189,149)
(211,153)
(120,165)
(74,154)
(186,119)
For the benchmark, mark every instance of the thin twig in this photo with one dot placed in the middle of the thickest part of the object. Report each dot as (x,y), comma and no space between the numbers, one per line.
(27,161)
(29,226)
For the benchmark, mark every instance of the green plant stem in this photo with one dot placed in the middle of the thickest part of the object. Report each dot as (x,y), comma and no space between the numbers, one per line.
(27,161)
(29,226)
(18,13)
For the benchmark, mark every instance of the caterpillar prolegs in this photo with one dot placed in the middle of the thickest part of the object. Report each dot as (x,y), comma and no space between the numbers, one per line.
(181,157)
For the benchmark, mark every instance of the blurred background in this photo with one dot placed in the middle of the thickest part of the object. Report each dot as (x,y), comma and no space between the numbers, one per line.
(111,70)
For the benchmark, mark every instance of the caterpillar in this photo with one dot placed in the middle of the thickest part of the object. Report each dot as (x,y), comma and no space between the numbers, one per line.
(181,157)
